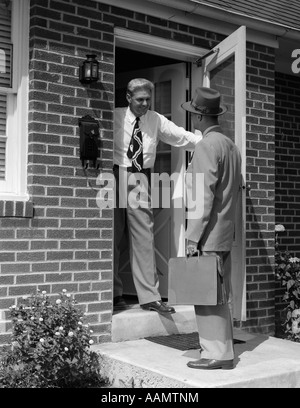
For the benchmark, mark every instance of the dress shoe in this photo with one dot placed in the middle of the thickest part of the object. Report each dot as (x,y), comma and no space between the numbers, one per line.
(211,364)
(119,303)
(159,307)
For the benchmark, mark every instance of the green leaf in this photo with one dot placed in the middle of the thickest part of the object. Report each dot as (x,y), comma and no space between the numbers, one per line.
(290,283)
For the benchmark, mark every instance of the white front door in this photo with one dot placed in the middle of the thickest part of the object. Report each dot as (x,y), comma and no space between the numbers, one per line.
(169,222)
(225,70)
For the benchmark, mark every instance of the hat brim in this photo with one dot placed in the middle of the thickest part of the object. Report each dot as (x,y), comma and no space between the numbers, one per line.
(188,107)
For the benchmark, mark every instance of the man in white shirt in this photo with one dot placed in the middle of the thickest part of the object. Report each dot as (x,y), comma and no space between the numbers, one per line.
(139,219)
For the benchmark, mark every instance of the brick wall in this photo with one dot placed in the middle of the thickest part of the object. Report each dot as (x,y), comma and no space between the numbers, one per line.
(260,180)
(287,149)
(68,241)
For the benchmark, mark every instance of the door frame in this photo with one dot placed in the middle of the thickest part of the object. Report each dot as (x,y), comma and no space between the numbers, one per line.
(169,221)
(158,46)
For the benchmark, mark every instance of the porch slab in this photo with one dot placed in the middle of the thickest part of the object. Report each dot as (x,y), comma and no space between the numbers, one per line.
(261,362)
(132,361)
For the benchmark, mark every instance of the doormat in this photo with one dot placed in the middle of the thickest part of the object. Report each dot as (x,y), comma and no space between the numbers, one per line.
(186,341)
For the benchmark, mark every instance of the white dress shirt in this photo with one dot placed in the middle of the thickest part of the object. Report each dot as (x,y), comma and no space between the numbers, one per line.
(154,127)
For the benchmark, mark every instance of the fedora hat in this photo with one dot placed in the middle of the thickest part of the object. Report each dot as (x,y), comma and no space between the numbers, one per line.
(206,101)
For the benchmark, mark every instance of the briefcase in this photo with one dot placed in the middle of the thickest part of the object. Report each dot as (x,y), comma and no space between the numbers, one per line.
(194,281)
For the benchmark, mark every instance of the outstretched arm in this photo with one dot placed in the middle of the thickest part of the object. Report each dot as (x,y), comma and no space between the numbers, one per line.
(175,135)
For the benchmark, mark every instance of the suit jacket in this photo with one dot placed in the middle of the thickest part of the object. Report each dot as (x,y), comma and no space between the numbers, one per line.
(219,160)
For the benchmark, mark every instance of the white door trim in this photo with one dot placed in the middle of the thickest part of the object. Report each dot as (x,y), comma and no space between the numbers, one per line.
(158,46)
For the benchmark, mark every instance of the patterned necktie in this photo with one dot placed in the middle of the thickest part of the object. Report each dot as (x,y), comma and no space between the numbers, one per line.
(135,150)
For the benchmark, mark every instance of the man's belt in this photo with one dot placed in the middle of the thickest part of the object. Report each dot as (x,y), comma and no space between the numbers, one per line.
(116,167)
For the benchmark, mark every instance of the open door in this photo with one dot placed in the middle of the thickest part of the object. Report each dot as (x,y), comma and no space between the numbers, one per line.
(225,70)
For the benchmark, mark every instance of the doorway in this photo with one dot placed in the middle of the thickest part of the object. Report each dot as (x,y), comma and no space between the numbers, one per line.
(169,78)
(158,64)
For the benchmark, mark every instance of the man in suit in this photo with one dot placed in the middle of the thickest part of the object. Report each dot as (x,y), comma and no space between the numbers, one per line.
(212,232)
(138,126)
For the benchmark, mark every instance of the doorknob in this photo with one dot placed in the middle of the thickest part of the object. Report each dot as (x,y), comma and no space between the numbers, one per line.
(248,187)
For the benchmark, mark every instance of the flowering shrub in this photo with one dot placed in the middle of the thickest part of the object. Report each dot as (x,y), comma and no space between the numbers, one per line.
(287,270)
(50,346)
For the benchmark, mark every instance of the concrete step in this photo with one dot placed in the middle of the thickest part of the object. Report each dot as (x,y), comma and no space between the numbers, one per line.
(261,362)
(135,323)
(131,361)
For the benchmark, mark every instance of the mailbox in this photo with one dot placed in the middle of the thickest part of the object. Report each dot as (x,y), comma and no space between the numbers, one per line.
(89,135)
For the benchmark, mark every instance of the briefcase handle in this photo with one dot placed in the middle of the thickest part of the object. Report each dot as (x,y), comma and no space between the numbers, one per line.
(196,253)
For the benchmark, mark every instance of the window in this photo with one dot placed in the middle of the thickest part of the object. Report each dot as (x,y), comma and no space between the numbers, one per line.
(14,54)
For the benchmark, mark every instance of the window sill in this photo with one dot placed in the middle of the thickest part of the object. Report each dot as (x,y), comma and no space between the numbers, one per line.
(16,209)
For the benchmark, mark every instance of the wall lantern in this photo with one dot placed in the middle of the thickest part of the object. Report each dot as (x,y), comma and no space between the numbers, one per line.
(89,70)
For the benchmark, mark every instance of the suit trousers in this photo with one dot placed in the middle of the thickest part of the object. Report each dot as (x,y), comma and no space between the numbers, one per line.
(137,217)
(214,323)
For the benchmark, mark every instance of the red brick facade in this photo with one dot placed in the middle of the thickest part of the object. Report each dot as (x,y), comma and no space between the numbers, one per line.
(261,195)
(65,242)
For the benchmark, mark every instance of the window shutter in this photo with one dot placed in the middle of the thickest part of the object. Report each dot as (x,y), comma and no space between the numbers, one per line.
(2,158)
(5,20)
(2,135)
(5,76)
(5,46)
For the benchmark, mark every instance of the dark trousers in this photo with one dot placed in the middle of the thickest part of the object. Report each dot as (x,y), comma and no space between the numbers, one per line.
(214,323)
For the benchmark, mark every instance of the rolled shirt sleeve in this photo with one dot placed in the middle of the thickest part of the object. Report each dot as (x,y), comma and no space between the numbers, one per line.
(175,135)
